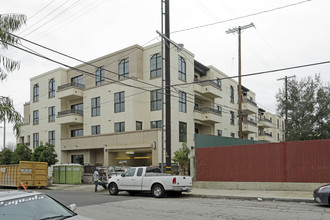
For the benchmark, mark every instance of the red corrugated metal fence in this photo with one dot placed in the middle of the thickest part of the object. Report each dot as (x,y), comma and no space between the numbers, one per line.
(301,161)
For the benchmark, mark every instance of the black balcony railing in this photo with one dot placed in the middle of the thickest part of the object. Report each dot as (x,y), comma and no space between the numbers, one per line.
(265,134)
(207,109)
(71,111)
(265,119)
(208,82)
(71,84)
(250,122)
(249,101)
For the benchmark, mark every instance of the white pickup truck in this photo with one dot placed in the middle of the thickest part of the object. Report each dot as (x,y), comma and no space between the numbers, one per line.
(149,179)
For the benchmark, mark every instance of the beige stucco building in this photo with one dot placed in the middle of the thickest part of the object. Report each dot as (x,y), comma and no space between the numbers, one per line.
(108,110)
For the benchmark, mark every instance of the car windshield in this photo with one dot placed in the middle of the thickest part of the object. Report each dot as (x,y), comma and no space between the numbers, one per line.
(38,206)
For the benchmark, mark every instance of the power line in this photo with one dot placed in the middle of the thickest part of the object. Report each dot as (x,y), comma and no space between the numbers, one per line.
(259,73)
(240,17)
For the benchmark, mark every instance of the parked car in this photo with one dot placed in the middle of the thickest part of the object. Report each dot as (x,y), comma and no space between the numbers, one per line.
(149,179)
(34,205)
(322,194)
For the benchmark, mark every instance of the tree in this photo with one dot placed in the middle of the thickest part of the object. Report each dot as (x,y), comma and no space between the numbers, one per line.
(181,156)
(308,109)
(21,153)
(45,153)
(6,156)
(8,24)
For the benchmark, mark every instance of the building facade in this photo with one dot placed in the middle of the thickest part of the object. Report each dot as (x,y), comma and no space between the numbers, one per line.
(109,111)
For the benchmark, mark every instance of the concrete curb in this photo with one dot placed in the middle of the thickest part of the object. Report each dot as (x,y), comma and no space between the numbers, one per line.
(250,198)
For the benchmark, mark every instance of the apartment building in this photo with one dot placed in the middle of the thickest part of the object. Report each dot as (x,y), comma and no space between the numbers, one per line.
(110,112)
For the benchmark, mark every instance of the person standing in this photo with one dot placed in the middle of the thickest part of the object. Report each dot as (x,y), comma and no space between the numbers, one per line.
(96,178)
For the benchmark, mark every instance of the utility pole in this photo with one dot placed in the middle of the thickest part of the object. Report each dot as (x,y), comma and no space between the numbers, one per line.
(240,116)
(167,88)
(286,101)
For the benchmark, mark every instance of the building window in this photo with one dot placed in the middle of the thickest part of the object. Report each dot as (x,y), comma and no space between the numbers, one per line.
(156,124)
(77,133)
(78,108)
(182,131)
(219,132)
(232,134)
(95,106)
(51,114)
(51,137)
(123,69)
(35,140)
(138,125)
(119,102)
(232,118)
(120,127)
(278,137)
(218,82)
(182,68)
(77,159)
(182,101)
(36,92)
(156,100)
(100,76)
(231,94)
(278,124)
(51,88)
(78,80)
(96,129)
(219,108)
(36,117)
(156,65)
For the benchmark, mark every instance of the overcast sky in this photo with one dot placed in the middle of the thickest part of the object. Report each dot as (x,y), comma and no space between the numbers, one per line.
(284,36)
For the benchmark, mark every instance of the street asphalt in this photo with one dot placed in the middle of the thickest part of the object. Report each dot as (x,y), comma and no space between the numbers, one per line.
(270,195)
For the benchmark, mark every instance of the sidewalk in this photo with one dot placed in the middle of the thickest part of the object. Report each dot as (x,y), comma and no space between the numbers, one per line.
(259,195)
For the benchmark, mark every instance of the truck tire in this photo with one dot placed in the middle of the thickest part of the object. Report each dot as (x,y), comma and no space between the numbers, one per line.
(158,191)
(113,189)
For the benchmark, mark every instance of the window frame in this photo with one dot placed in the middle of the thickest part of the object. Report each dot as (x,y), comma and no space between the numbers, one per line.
(156,71)
(232,99)
(77,132)
(36,92)
(182,68)
(96,129)
(99,79)
(51,88)
(36,117)
(121,126)
(232,118)
(51,137)
(51,114)
(123,69)
(138,125)
(182,131)
(156,100)
(182,102)
(119,98)
(158,124)
(35,140)
(96,107)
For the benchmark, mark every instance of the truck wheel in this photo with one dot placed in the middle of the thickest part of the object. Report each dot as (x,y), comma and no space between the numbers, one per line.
(113,189)
(158,191)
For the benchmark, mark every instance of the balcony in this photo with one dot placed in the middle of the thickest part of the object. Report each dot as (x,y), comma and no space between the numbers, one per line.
(207,115)
(249,127)
(265,137)
(70,91)
(249,106)
(70,117)
(209,89)
(265,123)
